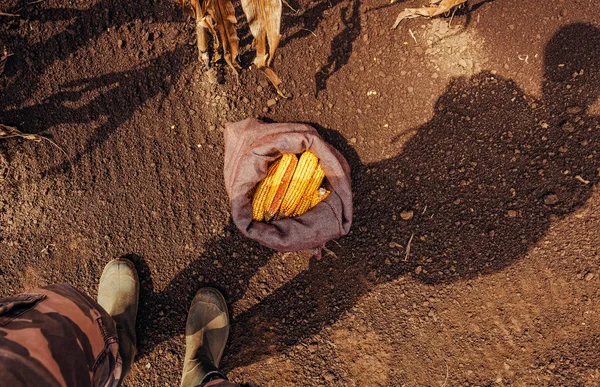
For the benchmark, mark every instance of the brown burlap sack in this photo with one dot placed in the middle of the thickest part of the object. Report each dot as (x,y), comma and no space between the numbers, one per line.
(250,146)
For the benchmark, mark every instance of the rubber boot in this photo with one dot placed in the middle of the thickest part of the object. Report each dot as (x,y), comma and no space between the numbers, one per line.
(118,294)
(206,334)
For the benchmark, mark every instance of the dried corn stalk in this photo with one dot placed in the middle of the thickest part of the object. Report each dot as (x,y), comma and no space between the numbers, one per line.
(435,8)
(264,19)
(218,18)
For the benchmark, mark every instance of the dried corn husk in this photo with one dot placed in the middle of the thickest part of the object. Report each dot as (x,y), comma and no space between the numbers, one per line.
(264,19)
(434,9)
(218,18)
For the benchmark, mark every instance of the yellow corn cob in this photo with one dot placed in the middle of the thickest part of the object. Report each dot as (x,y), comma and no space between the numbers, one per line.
(260,196)
(300,181)
(308,202)
(303,206)
(283,176)
(313,185)
(319,195)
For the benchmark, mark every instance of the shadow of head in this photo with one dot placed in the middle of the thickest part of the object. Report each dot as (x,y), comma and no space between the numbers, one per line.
(572,67)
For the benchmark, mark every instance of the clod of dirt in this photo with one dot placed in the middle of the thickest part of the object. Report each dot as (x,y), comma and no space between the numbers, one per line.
(329,377)
(551,199)
(568,127)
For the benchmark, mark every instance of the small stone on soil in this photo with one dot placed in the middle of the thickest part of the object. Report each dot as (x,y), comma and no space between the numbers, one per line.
(589,276)
(568,127)
(407,215)
(271,102)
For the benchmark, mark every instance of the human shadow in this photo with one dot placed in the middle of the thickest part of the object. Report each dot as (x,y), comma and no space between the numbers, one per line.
(110,99)
(484,179)
(472,190)
(341,45)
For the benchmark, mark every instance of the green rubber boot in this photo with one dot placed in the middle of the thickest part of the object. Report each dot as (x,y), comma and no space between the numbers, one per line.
(206,334)
(118,294)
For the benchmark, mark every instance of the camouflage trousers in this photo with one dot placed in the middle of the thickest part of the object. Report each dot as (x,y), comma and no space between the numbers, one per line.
(58,336)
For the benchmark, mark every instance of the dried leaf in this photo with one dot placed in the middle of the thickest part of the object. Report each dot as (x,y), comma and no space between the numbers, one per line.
(274,79)
(431,11)
(264,19)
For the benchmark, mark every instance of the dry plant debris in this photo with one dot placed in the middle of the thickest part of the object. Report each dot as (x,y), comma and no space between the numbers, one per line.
(435,8)
(218,18)
(12,132)
(264,19)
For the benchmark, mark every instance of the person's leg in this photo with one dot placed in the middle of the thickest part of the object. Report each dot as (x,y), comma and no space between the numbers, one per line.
(206,334)
(59,336)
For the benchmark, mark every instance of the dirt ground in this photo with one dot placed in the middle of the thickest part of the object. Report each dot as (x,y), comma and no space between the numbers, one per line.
(475,139)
